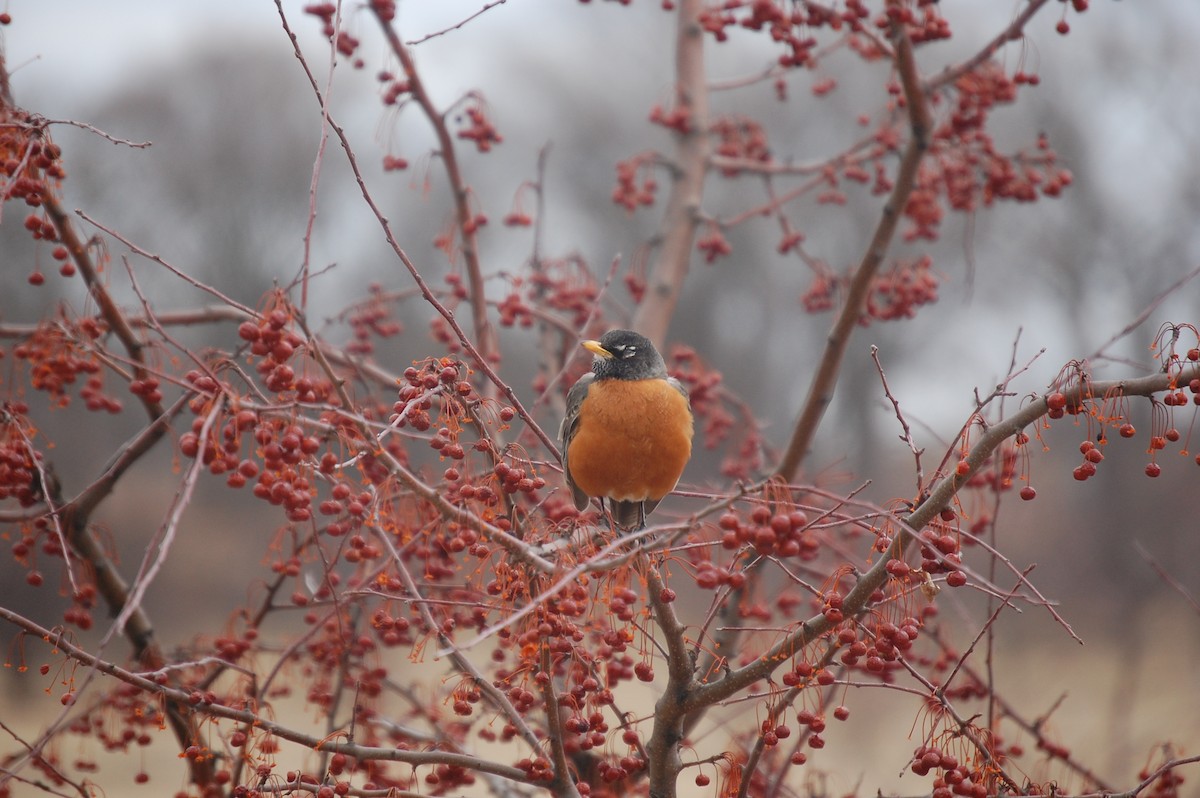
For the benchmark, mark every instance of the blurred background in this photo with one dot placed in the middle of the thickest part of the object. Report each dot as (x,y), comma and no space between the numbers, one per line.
(223,194)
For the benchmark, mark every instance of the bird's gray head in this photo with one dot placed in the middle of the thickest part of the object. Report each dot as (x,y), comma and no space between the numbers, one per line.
(625,355)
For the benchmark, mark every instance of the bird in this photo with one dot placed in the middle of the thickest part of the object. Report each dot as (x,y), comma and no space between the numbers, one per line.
(627,432)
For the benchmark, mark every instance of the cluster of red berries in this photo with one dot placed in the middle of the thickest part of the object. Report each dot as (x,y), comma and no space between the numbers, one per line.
(479,129)
(790,27)
(353,508)
(19,478)
(536,769)
(57,361)
(444,779)
(386,9)
(147,389)
(345,43)
(636,185)
(924,208)
(877,654)
(566,285)
(677,119)
(395,88)
(953,777)
(1092,456)
(1058,405)
(790,239)
(371,319)
(898,293)
(514,311)
(1165,786)
(280,478)
(940,553)
(930,27)
(779,534)
(590,730)
(282,482)
(392,631)
(42,230)
(517,218)
(563,286)
(433,377)
(802,671)
(231,649)
(94,398)
(1063,27)
(326,13)
(515,479)
(28,161)
(270,338)
(713,244)
(965,167)
(819,295)
(83,600)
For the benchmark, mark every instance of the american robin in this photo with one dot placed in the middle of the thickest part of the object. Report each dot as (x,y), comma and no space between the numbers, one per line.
(627,433)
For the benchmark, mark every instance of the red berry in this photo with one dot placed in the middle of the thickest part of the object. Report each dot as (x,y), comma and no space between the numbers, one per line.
(1028,493)
(1153,470)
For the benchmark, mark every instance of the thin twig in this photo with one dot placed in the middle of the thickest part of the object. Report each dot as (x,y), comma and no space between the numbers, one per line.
(907,436)
(456,26)
(1166,576)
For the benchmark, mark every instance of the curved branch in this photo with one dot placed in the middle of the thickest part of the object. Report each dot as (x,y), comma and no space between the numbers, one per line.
(682,216)
(485,334)
(824,381)
(280,730)
(857,599)
(1015,30)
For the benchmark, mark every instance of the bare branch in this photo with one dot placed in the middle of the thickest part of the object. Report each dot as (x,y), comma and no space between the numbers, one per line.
(824,379)
(682,215)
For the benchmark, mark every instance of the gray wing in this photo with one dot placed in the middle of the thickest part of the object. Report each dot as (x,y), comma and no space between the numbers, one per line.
(677,385)
(566,432)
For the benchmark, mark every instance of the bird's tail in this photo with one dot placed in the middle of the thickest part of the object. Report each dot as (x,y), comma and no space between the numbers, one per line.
(631,515)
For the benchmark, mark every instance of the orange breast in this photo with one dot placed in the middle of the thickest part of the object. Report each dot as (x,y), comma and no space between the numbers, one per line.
(633,439)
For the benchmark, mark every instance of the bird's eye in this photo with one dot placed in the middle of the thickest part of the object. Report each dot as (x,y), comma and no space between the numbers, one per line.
(628,351)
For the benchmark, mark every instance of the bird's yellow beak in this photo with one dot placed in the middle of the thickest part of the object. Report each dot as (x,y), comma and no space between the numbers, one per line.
(596,349)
